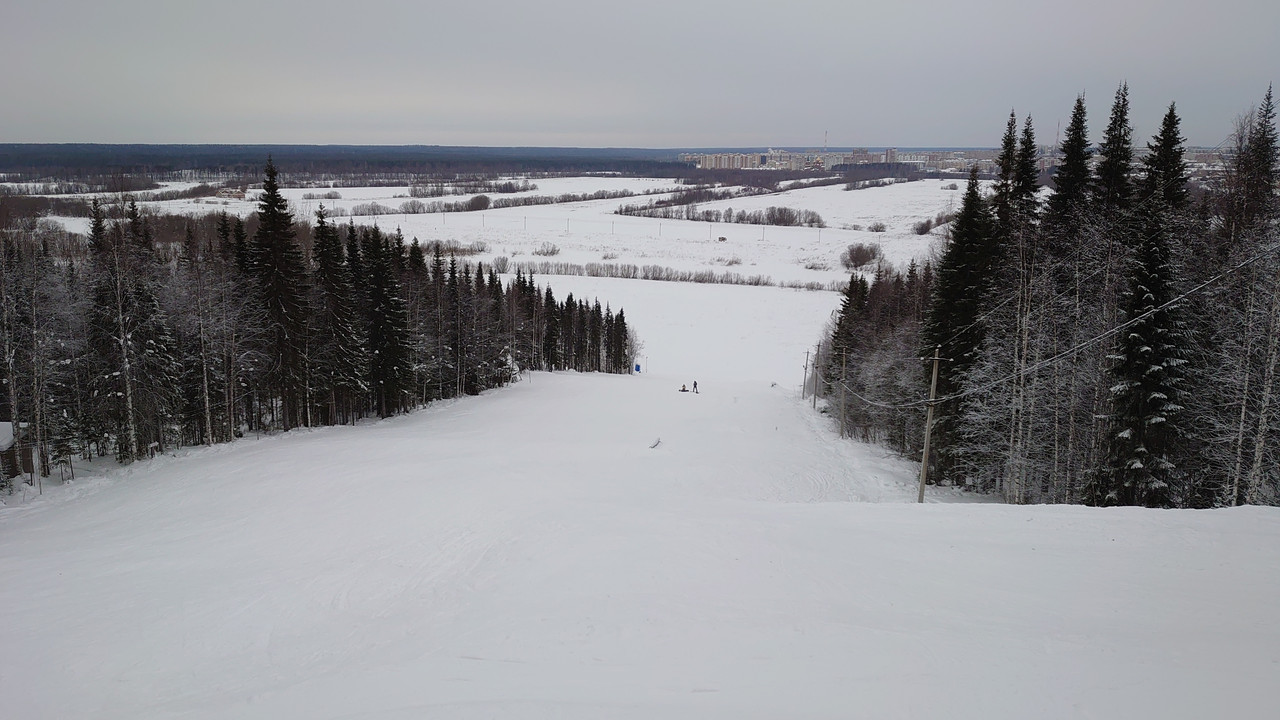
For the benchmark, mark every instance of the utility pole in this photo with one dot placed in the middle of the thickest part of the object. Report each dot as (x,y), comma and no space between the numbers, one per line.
(928,423)
(804,379)
(844,358)
(817,353)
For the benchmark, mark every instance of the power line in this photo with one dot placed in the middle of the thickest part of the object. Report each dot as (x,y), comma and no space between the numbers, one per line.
(1075,348)
(1079,252)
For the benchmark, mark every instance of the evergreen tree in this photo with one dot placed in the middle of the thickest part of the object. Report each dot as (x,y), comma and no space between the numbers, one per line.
(960,291)
(1026,182)
(97,228)
(1073,179)
(417,260)
(1164,171)
(1115,187)
(225,249)
(390,375)
(281,277)
(242,251)
(1007,168)
(1148,370)
(551,352)
(339,359)
(1263,158)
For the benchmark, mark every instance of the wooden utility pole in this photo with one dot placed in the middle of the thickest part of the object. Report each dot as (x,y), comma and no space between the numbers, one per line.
(816,355)
(804,379)
(844,358)
(928,423)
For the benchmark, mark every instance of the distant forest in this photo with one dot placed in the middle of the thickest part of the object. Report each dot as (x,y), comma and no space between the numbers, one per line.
(165,331)
(32,161)
(1117,343)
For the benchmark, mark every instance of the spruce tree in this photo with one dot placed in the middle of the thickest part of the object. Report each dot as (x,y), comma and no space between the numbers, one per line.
(97,228)
(241,249)
(1115,187)
(339,359)
(952,323)
(1263,158)
(1073,179)
(1164,174)
(281,277)
(551,353)
(225,249)
(1146,397)
(390,372)
(1026,178)
(1007,168)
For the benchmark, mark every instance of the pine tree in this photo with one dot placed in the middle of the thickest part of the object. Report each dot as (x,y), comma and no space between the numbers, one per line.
(278,268)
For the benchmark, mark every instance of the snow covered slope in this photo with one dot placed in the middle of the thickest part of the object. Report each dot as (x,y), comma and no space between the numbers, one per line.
(528,554)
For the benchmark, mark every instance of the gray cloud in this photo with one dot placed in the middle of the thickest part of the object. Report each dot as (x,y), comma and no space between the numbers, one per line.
(656,74)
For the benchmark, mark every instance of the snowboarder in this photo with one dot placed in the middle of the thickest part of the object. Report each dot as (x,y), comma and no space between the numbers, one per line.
(684,389)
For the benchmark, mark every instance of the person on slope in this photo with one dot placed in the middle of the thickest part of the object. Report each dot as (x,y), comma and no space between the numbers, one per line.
(695,386)
(684,389)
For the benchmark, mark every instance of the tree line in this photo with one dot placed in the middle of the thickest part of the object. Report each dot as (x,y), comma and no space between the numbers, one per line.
(1115,342)
(133,347)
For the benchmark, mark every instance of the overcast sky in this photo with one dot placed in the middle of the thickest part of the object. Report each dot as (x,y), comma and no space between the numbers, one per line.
(643,73)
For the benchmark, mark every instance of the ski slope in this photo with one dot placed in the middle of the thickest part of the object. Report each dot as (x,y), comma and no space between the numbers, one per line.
(528,554)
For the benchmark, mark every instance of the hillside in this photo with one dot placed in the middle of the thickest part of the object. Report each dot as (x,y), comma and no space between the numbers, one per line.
(535,552)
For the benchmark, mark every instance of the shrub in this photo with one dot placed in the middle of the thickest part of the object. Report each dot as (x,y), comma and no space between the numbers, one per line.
(500,264)
(371,208)
(952,186)
(877,227)
(479,202)
(546,249)
(453,247)
(923,227)
(859,255)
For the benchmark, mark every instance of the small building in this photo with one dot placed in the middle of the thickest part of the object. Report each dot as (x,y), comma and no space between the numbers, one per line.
(231,193)
(8,451)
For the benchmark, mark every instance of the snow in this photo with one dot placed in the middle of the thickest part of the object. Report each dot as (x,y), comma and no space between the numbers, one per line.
(586,232)
(529,554)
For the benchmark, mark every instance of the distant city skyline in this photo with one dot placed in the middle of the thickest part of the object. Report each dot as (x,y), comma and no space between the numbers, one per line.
(662,74)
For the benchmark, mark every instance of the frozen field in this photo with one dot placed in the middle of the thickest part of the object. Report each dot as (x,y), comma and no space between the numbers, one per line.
(590,231)
(535,553)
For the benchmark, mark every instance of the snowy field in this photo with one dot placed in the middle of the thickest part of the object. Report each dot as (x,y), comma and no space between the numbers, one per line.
(591,232)
(531,553)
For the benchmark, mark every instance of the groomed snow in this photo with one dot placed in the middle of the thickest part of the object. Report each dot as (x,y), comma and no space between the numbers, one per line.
(528,554)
